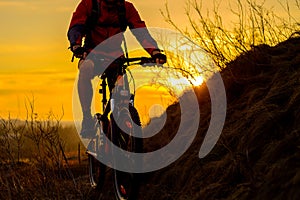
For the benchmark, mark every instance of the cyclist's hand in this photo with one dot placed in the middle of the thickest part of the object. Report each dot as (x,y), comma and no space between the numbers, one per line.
(78,51)
(158,57)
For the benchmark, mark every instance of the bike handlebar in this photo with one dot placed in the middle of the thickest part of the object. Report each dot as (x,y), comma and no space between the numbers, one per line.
(137,60)
(126,62)
(123,60)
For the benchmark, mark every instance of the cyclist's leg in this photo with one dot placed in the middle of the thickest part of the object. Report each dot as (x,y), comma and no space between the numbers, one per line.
(85,92)
(112,74)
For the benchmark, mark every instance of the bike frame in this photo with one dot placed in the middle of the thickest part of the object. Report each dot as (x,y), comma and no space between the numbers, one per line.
(119,100)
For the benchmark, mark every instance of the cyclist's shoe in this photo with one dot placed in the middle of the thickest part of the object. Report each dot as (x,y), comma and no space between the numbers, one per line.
(88,130)
(104,118)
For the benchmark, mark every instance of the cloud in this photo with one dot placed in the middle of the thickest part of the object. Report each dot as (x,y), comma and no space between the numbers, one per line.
(30,6)
(22,48)
(41,5)
(12,3)
(35,80)
(4,92)
(65,9)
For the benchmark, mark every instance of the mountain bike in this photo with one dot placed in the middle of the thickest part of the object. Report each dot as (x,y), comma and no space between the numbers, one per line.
(121,128)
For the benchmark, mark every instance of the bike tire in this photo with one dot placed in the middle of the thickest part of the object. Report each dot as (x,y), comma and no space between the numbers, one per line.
(126,184)
(96,172)
(96,169)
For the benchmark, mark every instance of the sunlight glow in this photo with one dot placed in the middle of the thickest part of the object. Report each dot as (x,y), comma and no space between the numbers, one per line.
(182,84)
(198,81)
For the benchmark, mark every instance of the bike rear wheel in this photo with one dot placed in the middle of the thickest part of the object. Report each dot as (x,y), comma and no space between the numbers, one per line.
(126,184)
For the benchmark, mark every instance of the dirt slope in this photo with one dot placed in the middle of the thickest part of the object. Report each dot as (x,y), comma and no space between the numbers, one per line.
(256,157)
(258,154)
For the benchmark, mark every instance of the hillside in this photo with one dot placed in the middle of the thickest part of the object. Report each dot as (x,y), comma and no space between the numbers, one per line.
(258,153)
(256,157)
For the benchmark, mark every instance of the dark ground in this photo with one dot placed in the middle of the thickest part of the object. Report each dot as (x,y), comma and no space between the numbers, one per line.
(256,157)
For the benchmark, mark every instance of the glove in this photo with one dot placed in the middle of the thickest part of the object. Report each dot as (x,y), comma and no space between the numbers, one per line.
(158,57)
(78,51)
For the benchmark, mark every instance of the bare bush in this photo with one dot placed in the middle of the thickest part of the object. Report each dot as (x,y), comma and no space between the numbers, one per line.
(44,133)
(17,135)
(47,147)
(41,136)
(6,143)
(254,25)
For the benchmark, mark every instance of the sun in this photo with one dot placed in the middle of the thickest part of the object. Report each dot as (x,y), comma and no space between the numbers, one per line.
(196,81)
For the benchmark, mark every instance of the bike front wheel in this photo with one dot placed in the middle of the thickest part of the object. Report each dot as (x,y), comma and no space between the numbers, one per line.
(96,169)
(123,129)
(96,172)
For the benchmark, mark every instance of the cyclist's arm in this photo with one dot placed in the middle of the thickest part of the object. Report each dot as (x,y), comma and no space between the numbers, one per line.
(142,35)
(77,28)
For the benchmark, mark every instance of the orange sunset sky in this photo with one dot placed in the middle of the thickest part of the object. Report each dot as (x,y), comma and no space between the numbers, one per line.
(35,61)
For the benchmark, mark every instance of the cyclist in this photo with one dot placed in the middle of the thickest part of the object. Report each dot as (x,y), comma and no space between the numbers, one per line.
(112,18)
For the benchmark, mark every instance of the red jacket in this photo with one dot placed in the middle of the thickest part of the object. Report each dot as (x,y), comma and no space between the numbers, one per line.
(107,26)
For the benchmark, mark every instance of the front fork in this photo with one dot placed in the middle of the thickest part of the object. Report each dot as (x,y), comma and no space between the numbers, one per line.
(98,144)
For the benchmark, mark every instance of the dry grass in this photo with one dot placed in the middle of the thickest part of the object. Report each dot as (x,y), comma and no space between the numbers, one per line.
(251,23)
(257,156)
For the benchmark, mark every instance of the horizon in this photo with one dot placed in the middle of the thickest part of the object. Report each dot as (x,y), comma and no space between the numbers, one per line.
(35,61)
